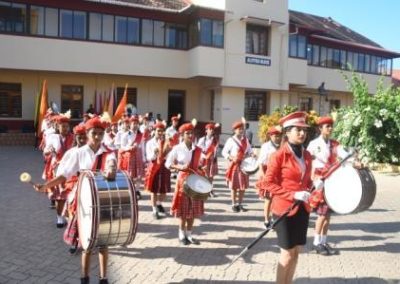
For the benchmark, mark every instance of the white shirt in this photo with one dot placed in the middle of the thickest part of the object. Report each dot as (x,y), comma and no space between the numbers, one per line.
(53,140)
(232,146)
(180,154)
(151,145)
(170,132)
(321,151)
(108,141)
(128,139)
(82,158)
(267,149)
(117,138)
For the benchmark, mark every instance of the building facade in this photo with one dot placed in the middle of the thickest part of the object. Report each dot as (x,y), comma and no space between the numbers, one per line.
(213,60)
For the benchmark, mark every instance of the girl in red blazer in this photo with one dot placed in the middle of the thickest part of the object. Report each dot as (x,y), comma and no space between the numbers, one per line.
(288,179)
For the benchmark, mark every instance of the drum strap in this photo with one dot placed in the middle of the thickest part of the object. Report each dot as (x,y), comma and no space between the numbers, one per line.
(99,162)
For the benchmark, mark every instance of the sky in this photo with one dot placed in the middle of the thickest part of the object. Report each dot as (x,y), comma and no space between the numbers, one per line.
(376,20)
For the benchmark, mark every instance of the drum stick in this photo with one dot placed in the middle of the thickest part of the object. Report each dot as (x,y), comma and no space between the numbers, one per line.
(26,178)
(291,207)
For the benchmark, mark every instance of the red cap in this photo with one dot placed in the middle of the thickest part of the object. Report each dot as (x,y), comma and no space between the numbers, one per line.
(95,122)
(186,127)
(297,118)
(175,118)
(80,129)
(237,124)
(325,120)
(159,125)
(274,131)
(210,126)
(61,119)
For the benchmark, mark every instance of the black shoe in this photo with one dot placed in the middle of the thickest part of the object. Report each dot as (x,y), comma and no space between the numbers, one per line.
(267,224)
(161,210)
(60,225)
(241,208)
(73,249)
(184,241)
(85,280)
(193,241)
(331,250)
(321,249)
(235,208)
(138,195)
(156,216)
(103,281)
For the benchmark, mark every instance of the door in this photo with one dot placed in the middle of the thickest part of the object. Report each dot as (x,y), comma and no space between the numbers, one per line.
(176,104)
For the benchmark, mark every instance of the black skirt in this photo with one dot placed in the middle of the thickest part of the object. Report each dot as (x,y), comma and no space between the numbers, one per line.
(292,231)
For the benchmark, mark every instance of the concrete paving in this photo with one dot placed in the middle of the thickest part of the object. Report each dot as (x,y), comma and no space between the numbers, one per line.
(32,250)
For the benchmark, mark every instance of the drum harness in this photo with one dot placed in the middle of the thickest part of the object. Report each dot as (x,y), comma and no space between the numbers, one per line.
(291,207)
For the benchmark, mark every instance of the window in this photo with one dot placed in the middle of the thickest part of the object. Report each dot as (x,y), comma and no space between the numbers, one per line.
(256,40)
(309,54)
(12,17)
(133,31)
(175,36)
(95,26)
(51,22)
(10,100)
(349,62)
(336,63)
(334,105)
(72,98)
(367,63)
(218,33)
(121,29)
(147,32)
(374,64)
(343,59)
(108,28)
(255,105)
(205,31)
(315,54)
(323,57)
(37,20)
(361,62)
(72,24)
(132,95)
(297,46)
(159,33)
(305,104)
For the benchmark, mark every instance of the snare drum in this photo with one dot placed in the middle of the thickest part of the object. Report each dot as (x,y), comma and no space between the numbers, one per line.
(107,210)
(197,187)
(349,190)
(249,166)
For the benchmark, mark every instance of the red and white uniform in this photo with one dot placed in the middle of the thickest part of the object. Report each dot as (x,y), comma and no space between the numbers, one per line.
(173,135)
(158,177)
(234,147)
(132,159)
(209,147)
(285,175)
(183,206)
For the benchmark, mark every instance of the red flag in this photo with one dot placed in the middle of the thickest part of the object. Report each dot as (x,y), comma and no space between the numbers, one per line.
(111,102)
(121,106)
(42,107)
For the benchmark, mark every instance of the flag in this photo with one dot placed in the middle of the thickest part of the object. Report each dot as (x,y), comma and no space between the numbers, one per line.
(43,106)
(121,106)
(105,102)
(111,101)
(37,103)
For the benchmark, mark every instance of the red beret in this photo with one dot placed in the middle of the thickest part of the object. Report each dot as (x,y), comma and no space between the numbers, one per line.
(95,122)
(297,118)
(159,125)
(273,131)
(61,119)
(210,126)
(325,120)
(80,129)
(237,124)
(186,127)
(175,118)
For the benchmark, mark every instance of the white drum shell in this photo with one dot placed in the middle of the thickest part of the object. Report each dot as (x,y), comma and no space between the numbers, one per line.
(197,187)
(249,165)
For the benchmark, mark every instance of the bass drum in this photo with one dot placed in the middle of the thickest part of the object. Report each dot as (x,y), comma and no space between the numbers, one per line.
(107,210)
(249,166)
(349,190)
(197,187)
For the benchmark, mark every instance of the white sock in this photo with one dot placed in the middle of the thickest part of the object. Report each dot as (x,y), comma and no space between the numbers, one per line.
(317,240)
(323,239)
(60,219)
(189,234)
(154,209)
(181,234)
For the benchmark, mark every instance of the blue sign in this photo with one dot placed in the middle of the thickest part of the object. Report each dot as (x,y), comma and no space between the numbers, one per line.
(258,61)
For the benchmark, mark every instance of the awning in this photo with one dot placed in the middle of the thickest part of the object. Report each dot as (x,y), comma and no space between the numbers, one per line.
(261,21)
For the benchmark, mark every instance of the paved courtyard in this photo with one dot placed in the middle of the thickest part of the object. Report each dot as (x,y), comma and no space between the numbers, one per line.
(32,250)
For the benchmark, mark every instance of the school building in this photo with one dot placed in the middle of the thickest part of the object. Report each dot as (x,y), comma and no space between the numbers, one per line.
(209,59)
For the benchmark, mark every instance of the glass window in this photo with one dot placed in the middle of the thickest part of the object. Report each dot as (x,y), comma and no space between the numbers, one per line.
(206,31)
(121,29)
(350,60)
(305,104)
(389,67)
(147,32)
(334,105)
(176,36)
(323,58)
(133,30)
(95,26)
(132,95)
(343,54)
(256,40)
(293,45)
(336,59)
(381,66)
(10,100)
(301,50)
(51,22)
(66,23)
(367,63)
(37,20)
(108,28)
(72,98)
(218,33)
(361,62)
(79,28)
(255,105)
(315,54)
(329,58)
(159,33)
(12,17)
(309,54)
(355,61)
(374,66)
(193,34)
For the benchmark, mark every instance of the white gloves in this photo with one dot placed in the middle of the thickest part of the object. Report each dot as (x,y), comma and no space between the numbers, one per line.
(318,184)
(302,195)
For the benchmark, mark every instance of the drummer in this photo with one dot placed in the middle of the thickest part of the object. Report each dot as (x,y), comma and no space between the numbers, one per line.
(235,150)
(267,149)
(325,152)
(93,156)
(209,145)
(186,159)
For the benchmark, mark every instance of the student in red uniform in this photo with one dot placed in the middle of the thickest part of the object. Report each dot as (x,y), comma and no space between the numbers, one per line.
(158,177)
(94,155)
(171,132)
(186,159)
(288,179)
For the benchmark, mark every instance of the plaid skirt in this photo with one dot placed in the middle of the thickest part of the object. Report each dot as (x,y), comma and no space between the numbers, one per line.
(161,181)
(212,168)
(133,163)
(71,232)
(240,181)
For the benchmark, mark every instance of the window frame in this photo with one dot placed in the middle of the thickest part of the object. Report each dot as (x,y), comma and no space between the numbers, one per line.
(13,94)
(71,105)
(260,110)
(259,30)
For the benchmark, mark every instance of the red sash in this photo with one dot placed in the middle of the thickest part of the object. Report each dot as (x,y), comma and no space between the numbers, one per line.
(240,155)
(66,145)
(137,141)
(210,152)
(174,140)
(154,167)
